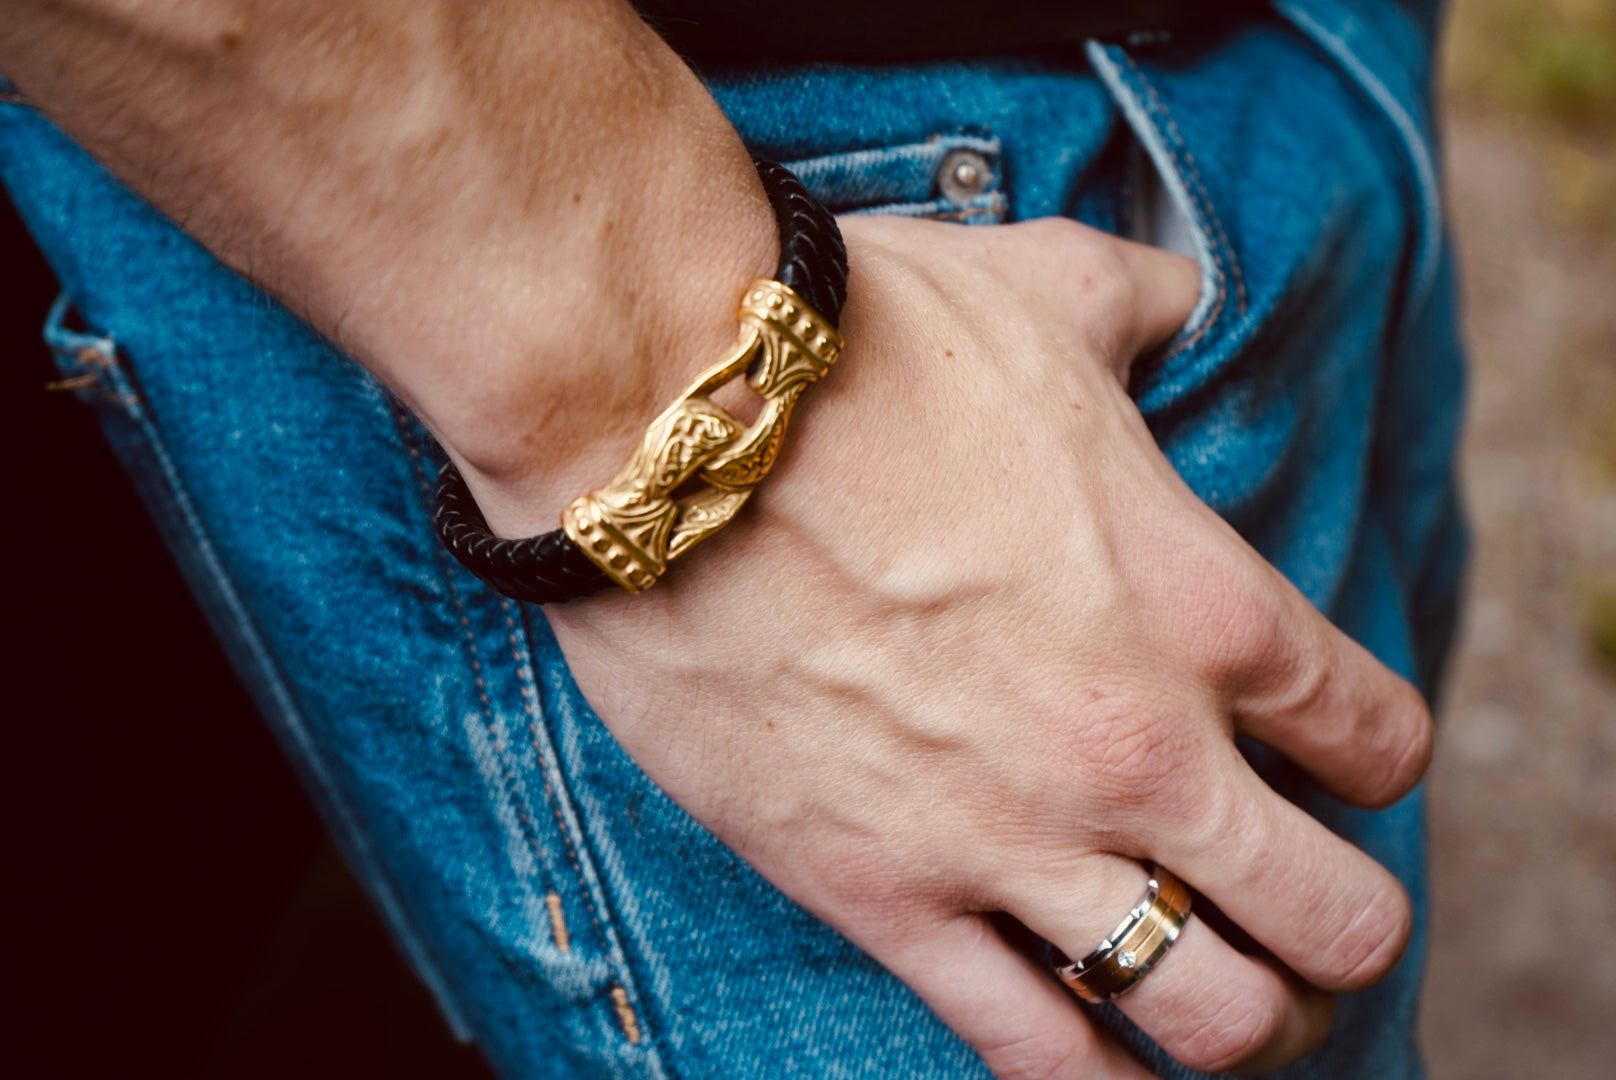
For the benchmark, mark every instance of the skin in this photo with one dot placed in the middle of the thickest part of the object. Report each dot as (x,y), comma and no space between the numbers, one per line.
(974,648)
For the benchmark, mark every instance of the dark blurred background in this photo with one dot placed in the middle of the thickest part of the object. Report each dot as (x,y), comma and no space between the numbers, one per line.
(171,902)
(170,898)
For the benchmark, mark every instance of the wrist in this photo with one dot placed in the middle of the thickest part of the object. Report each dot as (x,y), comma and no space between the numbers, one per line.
(570,318)
(696,465)
(581,370)
(529,220)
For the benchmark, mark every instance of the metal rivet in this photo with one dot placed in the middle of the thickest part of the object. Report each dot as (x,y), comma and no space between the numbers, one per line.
(963,175)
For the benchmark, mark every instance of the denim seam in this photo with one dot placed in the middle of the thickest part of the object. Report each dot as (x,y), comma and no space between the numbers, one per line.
(566,821)
(990,212)
(1147,131)
(510,785)
(522,658)
(510,789)
(928,152)
(543,753)
(935,146)
(1157,130)
(98,383)
(76,351)
(595,878)
(290,716)
(826,174)
(1203,200)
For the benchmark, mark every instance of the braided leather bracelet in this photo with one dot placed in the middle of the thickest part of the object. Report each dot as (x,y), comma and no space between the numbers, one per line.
(627,531)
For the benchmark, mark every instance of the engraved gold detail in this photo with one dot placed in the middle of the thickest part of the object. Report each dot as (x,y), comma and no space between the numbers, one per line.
(696,464)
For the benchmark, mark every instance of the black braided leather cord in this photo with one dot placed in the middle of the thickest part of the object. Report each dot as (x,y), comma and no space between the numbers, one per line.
(550,568)
(540,569)
(813,259)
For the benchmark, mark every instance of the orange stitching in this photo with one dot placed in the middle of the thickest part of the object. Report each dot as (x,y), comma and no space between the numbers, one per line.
(1223,258)
(532,694)
(529,834)
(965,217)
(558,922)
(572,855)
(1222,286)
(1210,209)
(77,382)
(1203,201)
(104,360)
(625,1012)
(625,1015)
(94,357)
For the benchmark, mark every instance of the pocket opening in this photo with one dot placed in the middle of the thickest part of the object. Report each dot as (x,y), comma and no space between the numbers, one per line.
(1190,215)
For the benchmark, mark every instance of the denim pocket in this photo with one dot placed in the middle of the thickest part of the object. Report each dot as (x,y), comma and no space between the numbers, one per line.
(1296,202)
(1223,298)
(1306,228)
(946,177)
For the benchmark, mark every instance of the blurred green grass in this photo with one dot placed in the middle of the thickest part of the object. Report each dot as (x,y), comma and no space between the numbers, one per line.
(1601,623)
(1551,61)
(1549,66)
(1547,69)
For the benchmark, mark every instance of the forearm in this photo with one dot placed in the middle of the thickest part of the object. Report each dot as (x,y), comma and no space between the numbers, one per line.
(529,219)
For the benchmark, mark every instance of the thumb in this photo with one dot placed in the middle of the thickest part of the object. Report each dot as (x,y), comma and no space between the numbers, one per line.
(1165,287)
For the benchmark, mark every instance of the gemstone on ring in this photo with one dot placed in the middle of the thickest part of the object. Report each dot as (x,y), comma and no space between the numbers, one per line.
(1135,947)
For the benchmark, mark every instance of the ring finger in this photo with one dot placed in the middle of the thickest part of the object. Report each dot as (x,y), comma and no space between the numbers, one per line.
(1209,1006)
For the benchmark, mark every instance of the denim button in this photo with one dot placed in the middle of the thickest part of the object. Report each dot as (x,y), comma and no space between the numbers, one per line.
(963,175)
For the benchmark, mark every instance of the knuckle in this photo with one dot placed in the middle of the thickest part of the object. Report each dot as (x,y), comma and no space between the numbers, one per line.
(1078,239)
(1372,941)
(1222,818)
(1136,761)
(1308,683)
(1109,278)
(1230,1034)
(1111,291)
(1238,625)
(1097,274)
(1408,739)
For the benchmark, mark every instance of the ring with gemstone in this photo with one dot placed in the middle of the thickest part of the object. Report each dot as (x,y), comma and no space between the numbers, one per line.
(1138,943)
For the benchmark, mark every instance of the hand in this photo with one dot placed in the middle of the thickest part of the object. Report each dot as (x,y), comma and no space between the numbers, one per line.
(975,647)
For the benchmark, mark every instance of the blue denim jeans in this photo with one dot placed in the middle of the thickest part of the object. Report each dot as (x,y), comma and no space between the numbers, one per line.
(567,914)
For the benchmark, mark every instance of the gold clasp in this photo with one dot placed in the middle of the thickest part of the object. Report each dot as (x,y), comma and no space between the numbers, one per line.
(636,524)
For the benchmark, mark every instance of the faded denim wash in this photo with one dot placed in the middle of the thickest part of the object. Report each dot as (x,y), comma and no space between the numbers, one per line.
(567,915)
